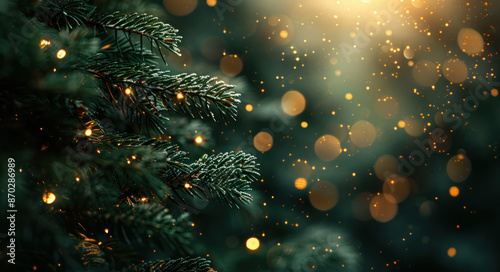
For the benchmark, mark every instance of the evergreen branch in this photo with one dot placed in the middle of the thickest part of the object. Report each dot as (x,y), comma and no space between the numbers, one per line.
(147,221)
(226,176)
(149,165)
(69,13)
(197,264)
(145,25)
(169,154)
(123,49)
(159,91)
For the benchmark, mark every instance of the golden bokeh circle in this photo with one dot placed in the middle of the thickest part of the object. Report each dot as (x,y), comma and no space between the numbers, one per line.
(327,148)
(180,7)
(293,103)
(300,183)
(231,65)
(454,191)
(323,195)
(458,168)
(396,188)
(263,141)
(382,209)
(363,134)
(455,70)
(385,166)
(413,126)
(470,41)
(253,243)
(426,73)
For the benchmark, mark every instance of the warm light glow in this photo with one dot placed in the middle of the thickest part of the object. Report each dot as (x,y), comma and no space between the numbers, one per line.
(61,53)
(304,124)
(211,3)
(401,124)
(323,195)
(363,134)
(494,92)
(452,252)
(88,132)
(49,198)
(249,107)
(284,34)
(263,141)
(187,186)
(327,147)
(454,191)
(348,96)
(106,230)
(293,103)
(253,243)
(180,96)
(198,140)
(44,43)
(301,183)
(128,90)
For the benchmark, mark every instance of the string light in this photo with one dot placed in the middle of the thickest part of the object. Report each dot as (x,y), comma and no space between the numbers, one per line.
(253,243)
(211,3)
(88,132)
(198,140)
(61,53)
(180,96)
(187,185)
(49,198)
(128,91)
(44,43)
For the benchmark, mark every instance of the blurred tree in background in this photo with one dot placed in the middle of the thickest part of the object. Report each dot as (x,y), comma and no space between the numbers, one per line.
(375,124)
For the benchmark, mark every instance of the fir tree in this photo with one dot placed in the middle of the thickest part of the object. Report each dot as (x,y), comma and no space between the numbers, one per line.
(83,111)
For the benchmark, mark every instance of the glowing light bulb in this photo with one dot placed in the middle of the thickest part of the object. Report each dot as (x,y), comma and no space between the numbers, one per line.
(211,3)
(301,183)
(180,96)
(88,132)
(128,90)
(61,54)
(249,107)
(253,243)
(198,140)
(348,96)
(44,43)
(452,252)
(284,34)
(49,198)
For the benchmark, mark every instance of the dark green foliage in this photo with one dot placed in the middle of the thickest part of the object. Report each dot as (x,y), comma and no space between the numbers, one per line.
(64,13)
(121,49)
(180,265)
(83,138)
(159,91)
(156,32)
(147,224)
(227,176)
(318,247)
